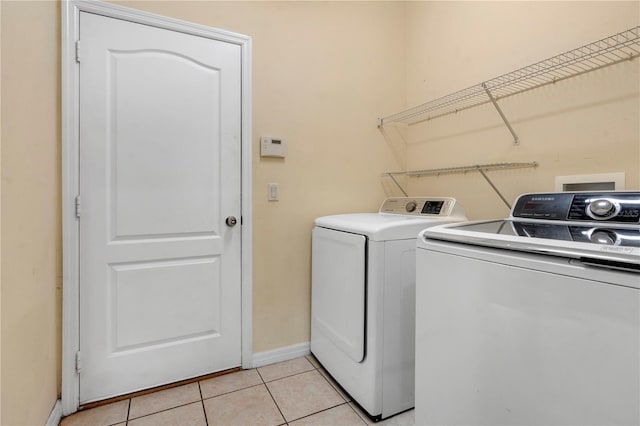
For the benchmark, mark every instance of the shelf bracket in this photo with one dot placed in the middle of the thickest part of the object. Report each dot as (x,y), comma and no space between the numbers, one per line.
(484,175)
(397,184)
(516,140)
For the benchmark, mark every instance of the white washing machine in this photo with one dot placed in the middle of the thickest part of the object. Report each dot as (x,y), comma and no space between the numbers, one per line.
(363,291)
(532,320)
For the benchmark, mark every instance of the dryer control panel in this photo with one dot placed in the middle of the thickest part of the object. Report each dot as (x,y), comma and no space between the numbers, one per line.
(420,206)
(616,207)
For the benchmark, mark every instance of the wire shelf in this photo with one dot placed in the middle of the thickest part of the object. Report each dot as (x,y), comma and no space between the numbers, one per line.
(463,169)
(480,168)
(602,53)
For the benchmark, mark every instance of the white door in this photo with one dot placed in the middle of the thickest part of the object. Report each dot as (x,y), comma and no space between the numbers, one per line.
(160,138)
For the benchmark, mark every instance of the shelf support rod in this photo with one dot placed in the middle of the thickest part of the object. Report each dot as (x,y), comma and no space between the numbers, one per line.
(516,140)
(397,184)
(484,175)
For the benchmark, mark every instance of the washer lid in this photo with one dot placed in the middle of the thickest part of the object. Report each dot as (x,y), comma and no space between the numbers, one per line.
(597,243)
(382,226)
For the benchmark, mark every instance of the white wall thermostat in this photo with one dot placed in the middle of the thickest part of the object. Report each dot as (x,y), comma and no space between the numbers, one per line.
(273,147)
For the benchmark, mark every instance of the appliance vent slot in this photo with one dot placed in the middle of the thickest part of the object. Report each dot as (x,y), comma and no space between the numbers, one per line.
(611,264)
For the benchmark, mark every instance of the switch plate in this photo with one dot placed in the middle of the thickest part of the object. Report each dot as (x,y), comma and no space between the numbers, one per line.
(273,191)
(273,147)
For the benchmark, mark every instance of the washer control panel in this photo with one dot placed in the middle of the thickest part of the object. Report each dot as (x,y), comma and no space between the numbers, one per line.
(419,206)
(616,207)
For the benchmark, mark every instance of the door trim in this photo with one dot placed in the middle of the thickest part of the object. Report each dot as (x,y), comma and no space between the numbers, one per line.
(70,12)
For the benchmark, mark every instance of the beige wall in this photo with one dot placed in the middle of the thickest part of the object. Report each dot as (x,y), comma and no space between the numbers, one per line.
(589,124)
(322,73)
(30,189)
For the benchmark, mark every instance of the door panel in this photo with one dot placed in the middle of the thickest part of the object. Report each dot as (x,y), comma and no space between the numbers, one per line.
(159,269)
(174,308)
(135,81)
(339,290)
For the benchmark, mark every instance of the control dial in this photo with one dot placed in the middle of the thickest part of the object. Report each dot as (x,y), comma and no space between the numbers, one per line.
(411,206)
(602,209)
(604,237)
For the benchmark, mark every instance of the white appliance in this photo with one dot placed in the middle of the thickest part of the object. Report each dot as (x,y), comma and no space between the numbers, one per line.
(532,320)
(362,305)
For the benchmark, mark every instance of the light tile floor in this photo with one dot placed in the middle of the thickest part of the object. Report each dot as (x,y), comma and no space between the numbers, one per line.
(296,392)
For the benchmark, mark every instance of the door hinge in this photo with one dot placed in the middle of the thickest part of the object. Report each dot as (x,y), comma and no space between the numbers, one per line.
(78,207)
(78,362)
(78,51)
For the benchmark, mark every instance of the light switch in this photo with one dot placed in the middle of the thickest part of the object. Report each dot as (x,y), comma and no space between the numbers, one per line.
(273,191)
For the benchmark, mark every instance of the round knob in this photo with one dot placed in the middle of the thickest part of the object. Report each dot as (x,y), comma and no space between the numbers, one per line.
(231,221)
(603,237)
(411,206)
(602,209)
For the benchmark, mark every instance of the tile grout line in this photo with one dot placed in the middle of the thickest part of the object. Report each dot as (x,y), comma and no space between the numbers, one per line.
(351,402)
(233,391)
(286,422)
(313,364)
(290,375)
(313,367)
(162,411)
(316,369)
(322,411)
(340,391)
(336,387)
(357,414)
(348,402)
(126,422)
(206,420)
(155,389)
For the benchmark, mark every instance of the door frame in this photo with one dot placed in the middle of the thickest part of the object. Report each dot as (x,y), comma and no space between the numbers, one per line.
(70,31)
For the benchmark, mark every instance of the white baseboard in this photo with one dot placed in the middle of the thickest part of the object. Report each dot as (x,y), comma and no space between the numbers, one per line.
(56,414)
(286,353)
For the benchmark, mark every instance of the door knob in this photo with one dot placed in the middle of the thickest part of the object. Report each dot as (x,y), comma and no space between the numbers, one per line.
(231,221)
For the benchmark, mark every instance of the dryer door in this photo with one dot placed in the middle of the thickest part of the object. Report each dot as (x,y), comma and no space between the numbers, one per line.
(338,291)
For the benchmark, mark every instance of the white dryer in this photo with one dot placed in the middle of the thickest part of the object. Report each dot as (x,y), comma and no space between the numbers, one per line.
(363,298)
